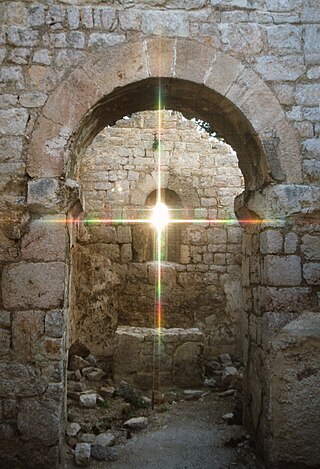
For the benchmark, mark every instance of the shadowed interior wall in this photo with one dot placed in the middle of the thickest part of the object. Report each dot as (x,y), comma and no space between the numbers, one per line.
(113,273)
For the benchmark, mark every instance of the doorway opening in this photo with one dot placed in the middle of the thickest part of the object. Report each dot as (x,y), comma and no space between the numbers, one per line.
(114,267)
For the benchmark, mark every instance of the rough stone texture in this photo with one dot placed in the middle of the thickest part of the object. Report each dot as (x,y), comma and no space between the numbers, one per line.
(282,271)
(295,427)
(26,285)
(43,195)
(311,272)
(39,419)
(82,454)
(178,356)
(271,242)
(45,241)
(265,56)
(118,174)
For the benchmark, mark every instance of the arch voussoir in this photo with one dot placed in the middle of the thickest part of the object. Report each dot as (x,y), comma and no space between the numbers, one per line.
(218,84)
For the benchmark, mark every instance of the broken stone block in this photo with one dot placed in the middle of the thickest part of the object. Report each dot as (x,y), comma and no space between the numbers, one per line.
(80,349)
(82,454)
(228,373)
(127,391)
(73,429)
(77,387)
(88,400)
(137,423)
(93,374)
(228,392)
(105,439)
(77,363)
(104,453)
(192,395)
(228,417)
(107,391)
(210,382)
(92,360)
(88,438)
(225,359)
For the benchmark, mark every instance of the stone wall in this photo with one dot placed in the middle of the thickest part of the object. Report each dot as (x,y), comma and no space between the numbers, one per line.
(254,63)
(114,274)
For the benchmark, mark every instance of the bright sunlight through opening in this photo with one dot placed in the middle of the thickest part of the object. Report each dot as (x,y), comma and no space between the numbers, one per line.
(160,216)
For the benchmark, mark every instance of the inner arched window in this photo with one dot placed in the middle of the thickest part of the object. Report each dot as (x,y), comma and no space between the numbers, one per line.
(172,234)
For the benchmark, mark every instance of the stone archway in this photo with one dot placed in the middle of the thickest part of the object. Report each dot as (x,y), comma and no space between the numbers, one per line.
(214,87)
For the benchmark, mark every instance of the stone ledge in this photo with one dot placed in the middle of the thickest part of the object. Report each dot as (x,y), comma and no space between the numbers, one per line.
(175,355)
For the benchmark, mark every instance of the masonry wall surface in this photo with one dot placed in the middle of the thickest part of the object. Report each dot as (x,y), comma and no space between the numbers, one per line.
(256,63)
(115,269)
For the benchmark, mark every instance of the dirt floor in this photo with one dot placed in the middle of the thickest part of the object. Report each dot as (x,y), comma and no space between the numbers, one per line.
(185,435)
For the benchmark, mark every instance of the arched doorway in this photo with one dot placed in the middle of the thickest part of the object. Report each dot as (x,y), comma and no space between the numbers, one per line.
(214,87)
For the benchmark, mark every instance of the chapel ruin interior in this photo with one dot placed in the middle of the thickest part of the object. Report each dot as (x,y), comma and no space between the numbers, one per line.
(109,110)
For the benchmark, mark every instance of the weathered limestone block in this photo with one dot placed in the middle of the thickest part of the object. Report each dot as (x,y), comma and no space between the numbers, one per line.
(27,335)
(36,15)
(284,38)
(282,271)
(5,341)
(10,408)
(178,356)
(10,149)
(311,272)
(311,147)
(294,199)
(124,234)
(187,365)
(284,299)
(45,240)
(311,247)
(280,68)
(43,195)
(54,323)
(20,380)
(33,285)
(13,121)
(307,94)
(165,47)
(294,385)
(12,77)
(185,54)
(291,241)
(168,273)
(311,169)
(39,419)
(241,38)
(271,242)
(312,38)
(165,23)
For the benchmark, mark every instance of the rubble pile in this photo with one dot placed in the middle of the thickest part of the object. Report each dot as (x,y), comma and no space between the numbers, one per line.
(103,414)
